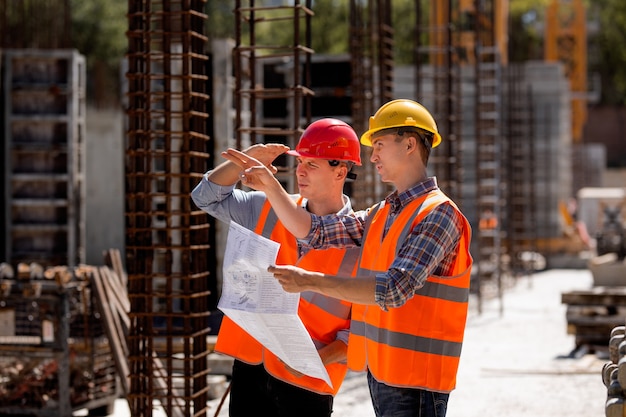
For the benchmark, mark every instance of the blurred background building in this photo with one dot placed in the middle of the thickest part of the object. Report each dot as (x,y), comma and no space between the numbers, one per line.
(112,110)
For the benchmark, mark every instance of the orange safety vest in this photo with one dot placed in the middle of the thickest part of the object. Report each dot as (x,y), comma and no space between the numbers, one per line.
(417,345)
(322,316)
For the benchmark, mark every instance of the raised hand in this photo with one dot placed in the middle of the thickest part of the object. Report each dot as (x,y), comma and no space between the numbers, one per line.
(293,278)
(229,172)
(255,175)
(265,153)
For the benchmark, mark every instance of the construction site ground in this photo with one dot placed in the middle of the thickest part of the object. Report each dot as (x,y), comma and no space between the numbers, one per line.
(517,360)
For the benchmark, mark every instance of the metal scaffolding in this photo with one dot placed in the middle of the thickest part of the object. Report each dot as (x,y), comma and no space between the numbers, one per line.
(489,150)
(361,65)
(438,80)
(520,171)
(267,111)
(166,237)
(371,55)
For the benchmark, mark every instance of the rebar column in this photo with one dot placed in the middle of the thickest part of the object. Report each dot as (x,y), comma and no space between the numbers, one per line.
(520,210)
(489,150)
(371,52)
(385,32)
(438,65)
(362,62)
(272,112)
(166,238)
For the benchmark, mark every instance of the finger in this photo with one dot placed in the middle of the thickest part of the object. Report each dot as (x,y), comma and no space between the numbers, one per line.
(247,159)
(277,147)
(240,158)
(237,153)
(248,180)
(283,149)
(235,159)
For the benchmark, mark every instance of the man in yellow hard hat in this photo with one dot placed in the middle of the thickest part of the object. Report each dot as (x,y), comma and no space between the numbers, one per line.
(411,290)
(261,384)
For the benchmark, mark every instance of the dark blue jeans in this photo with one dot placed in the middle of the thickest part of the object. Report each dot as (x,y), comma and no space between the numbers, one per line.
(254,392)
(405,402)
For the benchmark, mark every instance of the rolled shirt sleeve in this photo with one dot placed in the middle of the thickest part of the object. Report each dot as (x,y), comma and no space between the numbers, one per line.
(227,203)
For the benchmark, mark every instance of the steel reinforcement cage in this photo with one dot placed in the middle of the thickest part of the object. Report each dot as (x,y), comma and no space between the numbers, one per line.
(166,236)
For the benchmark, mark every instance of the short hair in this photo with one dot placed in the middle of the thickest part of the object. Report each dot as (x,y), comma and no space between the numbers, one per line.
(426,140)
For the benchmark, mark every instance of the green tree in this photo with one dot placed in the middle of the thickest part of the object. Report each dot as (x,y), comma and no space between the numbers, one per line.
(403,15)
(99,32)
(526,21)
(330,26)
(608,47)
(220,19)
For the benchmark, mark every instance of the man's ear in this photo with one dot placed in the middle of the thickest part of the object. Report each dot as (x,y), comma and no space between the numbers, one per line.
(411,143)
(342,172)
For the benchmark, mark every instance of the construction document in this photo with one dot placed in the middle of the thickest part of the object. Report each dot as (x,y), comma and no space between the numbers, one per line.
(253,298)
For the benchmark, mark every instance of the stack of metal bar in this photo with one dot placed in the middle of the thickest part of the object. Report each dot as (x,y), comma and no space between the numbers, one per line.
(54,355)
(614,374)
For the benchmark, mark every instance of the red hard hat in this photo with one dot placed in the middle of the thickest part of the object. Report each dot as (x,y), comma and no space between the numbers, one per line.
(331,139)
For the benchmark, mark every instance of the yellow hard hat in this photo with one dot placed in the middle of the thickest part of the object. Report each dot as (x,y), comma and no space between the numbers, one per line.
(401,113)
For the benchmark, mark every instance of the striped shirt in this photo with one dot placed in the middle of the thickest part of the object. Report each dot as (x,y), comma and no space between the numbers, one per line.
(430,248)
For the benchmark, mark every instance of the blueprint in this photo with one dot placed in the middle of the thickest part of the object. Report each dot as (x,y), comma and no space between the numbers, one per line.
(253,298)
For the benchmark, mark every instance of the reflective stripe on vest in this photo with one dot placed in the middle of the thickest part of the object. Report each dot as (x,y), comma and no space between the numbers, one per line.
(331,314)
(419,344)
(271,219)
(406,341)
(322,316)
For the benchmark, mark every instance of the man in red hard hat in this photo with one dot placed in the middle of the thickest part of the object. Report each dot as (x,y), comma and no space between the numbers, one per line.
(262,384)
(410,294)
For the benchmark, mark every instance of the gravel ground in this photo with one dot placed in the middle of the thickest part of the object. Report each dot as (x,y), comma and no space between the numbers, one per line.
(519,364)
(516,359)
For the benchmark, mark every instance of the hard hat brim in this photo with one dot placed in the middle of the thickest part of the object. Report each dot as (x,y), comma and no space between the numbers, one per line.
(293,152)
(366,138)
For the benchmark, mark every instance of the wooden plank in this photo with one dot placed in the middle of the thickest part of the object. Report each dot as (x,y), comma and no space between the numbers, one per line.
(592,315)
(590,321)
(112,296)
(117,296)
(113,259)
(114,333)
(607,296)
(601,332)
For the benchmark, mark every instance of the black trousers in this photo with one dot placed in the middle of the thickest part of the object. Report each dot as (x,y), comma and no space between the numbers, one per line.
(254,392)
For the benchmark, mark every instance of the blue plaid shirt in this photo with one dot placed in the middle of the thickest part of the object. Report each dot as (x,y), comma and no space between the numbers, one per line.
(430,249)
